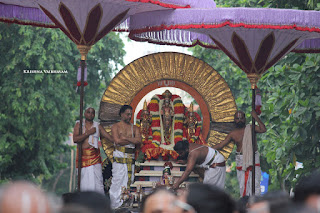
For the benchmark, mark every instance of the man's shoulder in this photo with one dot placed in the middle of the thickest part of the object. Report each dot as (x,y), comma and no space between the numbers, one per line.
(237,131)
(115,125)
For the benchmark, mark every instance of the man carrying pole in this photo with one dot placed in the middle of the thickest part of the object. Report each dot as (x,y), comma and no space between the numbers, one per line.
(91,174)
(242,137)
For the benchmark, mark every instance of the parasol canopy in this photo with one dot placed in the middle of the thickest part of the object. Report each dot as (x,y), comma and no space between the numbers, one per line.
(254,38)
(84,22)
(308,46)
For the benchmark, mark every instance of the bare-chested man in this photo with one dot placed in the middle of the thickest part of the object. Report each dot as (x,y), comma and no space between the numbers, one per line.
(91,172)
(126,137)
(204,157)
(241,136)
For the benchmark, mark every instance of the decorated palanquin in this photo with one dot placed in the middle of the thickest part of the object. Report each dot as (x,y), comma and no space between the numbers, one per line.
(164,119)
(164,122)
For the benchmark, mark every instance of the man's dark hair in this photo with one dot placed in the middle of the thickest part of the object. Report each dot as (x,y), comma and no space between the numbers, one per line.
(308,185)
(242,204)
(295,208)
(206,198)
(122,210)
(94,201)
(277,200)
(181,145)
(124,108)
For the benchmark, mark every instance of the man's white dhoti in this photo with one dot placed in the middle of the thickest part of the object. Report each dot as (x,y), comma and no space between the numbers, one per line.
(245,177)
(91,179)
(91,171)
(217,175)
(119,177)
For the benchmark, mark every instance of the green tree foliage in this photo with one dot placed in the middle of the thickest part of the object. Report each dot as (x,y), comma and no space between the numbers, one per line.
(38,111)
(292,116)
(288,4)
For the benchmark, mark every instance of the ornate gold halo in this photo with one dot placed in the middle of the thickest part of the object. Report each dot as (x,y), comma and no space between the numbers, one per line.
(181,67)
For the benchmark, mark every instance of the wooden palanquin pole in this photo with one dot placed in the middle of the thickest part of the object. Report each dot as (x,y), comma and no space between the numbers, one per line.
(253,78)
(83,49)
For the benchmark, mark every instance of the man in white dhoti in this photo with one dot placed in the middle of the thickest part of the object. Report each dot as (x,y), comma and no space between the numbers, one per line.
(241,136)
(201,156)
(126,137)
(91,172)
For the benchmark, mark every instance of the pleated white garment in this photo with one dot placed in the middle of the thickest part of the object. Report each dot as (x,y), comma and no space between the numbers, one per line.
(119,178)
(245,188)
(91,178)
(216,176)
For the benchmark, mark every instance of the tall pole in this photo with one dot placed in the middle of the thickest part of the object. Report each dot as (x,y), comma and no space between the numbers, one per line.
(83,51)
(72,166)
(253,143)
(253,78)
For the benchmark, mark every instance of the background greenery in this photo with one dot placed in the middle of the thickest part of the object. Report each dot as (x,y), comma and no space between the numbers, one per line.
(38,111)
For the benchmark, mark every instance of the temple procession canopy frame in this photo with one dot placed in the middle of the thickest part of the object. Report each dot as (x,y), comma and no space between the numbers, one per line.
(178,70)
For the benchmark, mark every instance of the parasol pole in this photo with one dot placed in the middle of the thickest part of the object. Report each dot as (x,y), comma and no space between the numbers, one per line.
(83,49)
(254,78)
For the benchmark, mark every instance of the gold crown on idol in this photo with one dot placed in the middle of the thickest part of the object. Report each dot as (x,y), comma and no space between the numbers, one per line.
(166,170)
(145,107)
(191,107)
(167,94)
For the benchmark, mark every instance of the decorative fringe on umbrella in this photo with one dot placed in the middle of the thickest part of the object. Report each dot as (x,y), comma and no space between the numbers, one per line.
(25,16)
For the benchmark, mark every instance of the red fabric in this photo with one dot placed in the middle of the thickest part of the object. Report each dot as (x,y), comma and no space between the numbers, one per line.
(22,22)
(246,176)
(161,3)
(226,23)
(258,109)
(84,84)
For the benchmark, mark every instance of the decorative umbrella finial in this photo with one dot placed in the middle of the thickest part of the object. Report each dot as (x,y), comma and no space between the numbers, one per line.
(253,78)
(83,49)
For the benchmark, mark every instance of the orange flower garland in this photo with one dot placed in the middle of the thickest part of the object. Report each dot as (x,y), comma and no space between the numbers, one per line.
(158,149)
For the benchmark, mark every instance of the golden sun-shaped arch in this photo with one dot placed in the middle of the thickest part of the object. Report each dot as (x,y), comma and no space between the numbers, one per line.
(179,70)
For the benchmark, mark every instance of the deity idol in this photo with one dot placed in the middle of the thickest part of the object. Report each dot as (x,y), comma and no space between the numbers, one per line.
(191,123)
(167,114)
(145,122)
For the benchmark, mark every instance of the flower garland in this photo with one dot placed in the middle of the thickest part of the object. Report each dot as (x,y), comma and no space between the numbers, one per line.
(155,124)
(160,149)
